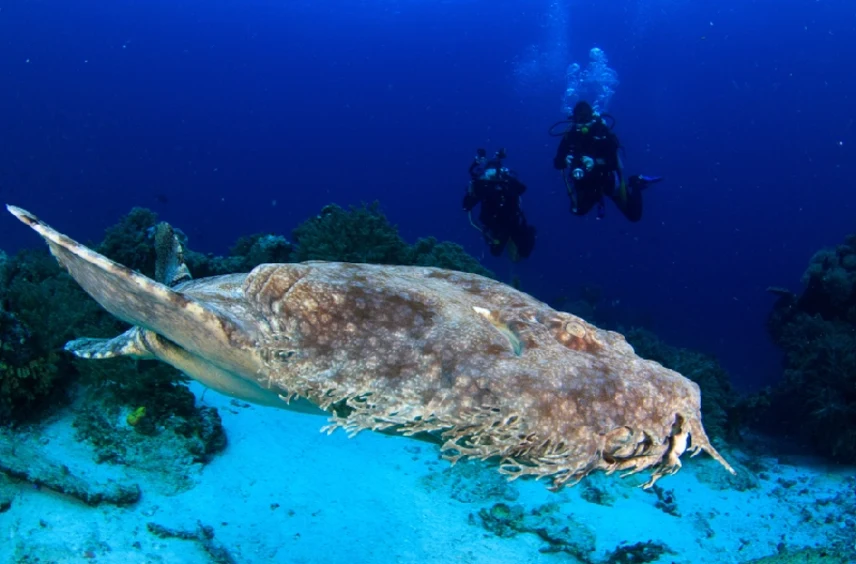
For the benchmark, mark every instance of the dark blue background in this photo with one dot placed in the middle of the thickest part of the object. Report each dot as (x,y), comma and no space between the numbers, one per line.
(211,111)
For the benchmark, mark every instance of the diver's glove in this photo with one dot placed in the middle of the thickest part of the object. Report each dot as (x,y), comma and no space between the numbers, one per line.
(588,162)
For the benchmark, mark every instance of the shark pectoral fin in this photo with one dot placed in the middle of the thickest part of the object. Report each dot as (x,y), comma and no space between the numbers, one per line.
(221,380)
(128,343)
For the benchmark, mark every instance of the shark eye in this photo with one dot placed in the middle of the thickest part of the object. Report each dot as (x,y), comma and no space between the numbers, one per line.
(574,329)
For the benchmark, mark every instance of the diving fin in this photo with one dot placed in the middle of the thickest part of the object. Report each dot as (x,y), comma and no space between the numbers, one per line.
(643,181)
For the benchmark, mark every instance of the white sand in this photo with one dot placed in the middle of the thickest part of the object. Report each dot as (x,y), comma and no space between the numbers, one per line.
(365,500)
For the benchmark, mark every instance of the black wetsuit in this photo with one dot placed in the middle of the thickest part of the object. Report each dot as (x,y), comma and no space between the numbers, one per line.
(604,179)
(500,215)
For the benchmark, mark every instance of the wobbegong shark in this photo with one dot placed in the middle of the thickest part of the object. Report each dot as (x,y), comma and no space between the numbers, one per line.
(484,370)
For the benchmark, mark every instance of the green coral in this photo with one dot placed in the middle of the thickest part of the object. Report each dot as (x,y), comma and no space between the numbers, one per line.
(830,283)
(638,553)
(361,234)
(261,248)
(561,533)
(170,410)
(4,268)
(247,253)
(817,394)
(27,383)
(429,251)
(816,398)
(35,320)
(806,556)
(130,242)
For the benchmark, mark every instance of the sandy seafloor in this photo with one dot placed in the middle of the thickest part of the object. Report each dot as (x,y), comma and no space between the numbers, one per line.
(284,492)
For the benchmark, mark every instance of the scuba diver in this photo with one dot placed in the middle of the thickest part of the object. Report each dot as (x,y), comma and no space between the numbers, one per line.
(498,190)
(589,150)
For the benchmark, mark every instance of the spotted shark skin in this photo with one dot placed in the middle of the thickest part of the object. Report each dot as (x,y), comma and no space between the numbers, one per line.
(485,370)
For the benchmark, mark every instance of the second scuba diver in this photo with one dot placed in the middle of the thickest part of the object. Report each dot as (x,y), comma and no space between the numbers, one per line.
(498,190)
(589,151)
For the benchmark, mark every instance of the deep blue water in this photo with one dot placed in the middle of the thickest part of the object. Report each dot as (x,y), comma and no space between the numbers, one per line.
(233,117)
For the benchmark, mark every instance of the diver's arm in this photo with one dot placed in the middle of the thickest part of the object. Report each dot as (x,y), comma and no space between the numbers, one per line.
(614,162)
(619,170)
(562,152)
(619,166)
(472,170)
(470,198)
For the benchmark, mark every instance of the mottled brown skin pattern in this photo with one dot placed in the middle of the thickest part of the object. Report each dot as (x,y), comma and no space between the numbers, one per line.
(487,370)
(494,371)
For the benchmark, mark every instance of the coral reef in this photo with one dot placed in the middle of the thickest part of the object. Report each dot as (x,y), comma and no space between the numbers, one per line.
(34,322)
(806,556)
(247,253)
(120,435)
(21,460)
(561,532)
(816,399)
(472,481)
(666,501)
(597,493)
(7,493)
(638,553)
(363,234)
(130,241)
(430,252)
(204,535)
(357,235)
(26,377)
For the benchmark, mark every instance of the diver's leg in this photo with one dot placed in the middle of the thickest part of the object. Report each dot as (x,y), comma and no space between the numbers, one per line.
(630,203)
(643,181)
(497,246)
(584,198)
(496,239)
(633,208)
(524,239)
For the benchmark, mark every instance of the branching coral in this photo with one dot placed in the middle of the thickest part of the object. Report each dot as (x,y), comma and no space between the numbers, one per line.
(30,334)
(130,241)
(363,234)
(26,380)
(357,235)
(816,399)
(429,251)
